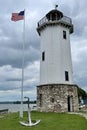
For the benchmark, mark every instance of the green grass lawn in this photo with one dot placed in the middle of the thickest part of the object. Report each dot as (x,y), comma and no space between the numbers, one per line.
(49,121)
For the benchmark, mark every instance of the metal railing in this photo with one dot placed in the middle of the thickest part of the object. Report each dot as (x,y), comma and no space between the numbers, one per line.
(63,19)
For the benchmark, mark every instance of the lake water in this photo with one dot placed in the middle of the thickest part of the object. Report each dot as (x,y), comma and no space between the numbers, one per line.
(16,107)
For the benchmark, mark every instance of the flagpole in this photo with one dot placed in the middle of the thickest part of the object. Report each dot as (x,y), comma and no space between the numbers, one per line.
(22,82)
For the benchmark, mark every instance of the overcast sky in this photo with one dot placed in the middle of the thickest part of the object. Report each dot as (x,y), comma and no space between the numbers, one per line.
(11,39)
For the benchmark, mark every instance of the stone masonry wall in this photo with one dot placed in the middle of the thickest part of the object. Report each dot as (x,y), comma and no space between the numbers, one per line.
(57,98)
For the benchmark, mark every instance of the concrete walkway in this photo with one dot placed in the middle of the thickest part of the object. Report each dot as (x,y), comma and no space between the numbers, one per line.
(79,113)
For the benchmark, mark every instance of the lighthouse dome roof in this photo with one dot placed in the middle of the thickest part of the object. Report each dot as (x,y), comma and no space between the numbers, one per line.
(54,15)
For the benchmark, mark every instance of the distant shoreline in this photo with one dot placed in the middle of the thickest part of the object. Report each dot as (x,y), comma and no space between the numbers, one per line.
(17,102)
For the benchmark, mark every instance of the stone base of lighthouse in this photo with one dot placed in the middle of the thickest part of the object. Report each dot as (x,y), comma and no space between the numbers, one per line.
(57,98)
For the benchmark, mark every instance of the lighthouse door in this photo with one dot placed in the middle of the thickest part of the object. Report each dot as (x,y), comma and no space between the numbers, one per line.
(70,103)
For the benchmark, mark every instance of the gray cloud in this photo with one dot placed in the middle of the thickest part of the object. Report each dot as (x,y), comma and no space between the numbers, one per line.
(11,39)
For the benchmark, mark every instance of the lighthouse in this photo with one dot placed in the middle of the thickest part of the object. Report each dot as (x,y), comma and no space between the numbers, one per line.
(56,91)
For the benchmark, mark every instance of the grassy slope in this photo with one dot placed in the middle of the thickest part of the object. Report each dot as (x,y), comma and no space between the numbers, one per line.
(49,121)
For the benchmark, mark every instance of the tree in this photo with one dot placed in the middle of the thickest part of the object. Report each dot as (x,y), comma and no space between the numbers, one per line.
(81,93)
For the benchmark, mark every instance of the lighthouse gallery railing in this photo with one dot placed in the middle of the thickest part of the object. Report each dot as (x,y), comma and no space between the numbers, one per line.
(64,19)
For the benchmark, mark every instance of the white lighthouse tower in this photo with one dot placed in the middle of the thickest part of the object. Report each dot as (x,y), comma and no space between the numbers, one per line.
(56,91)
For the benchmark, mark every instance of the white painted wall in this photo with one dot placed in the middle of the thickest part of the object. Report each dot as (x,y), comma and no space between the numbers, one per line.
(57,55)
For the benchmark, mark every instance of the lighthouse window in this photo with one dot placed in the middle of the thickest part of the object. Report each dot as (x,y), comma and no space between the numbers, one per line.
(43,56)
(52,100)
(64,34)
(66,76)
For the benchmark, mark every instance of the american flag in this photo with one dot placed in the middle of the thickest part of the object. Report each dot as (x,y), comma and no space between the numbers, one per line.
(17,16)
